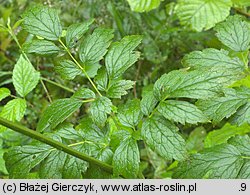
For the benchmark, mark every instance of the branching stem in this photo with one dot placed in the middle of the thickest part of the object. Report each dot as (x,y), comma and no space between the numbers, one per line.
(79,65)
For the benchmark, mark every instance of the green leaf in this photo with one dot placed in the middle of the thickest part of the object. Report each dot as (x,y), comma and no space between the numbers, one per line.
(25,77)
(73,168)
(20,160)
(130,114)
(212,57)
(119,88)
(220,136)
(92,70)
(68,69)
(245,171)
(200,14)
(234,33)
(99,110)
(66,130)
(101,79)
(91,132)
(195,141)
(57,112)
(41,47)
(13,111)
(181,111)
(242,115)
(96,172)
(162,137)
(203,83)
(121,56)
(43,22)
(222,161)
(76,31)
(241,2)
(95,46)
(218,108)
(148,101)
(84,93)
(54,164)
(3,169)
(4,92)
(143,5)
(126,159)
(242,82)
(242,143)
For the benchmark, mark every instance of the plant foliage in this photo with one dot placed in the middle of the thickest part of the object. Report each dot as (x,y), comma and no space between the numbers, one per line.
(113,131)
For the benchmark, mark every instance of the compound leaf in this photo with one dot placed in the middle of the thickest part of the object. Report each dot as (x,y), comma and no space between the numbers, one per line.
(25,77)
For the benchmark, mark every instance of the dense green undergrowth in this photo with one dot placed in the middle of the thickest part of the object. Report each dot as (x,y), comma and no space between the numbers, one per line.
(101,99)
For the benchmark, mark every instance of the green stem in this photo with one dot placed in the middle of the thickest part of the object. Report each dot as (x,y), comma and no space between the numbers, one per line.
(92,83)
(38,136)
(87,101)
(246,157)
(242,12)
(78,64)
(12,34)
(58,85)
(155,109)
(46,90)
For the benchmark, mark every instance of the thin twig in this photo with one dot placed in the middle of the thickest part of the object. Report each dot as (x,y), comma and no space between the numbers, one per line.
(240,11)
(58,85)
(46,91)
